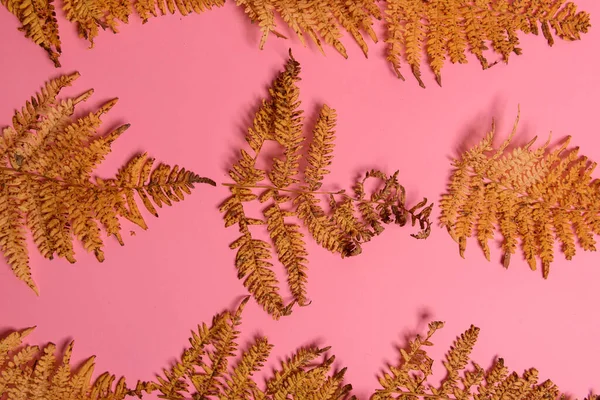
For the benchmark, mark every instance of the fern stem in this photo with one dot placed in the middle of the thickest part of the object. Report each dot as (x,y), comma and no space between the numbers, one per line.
(82,185)
(13,171)
(423,395)
(341,192)
(297,191)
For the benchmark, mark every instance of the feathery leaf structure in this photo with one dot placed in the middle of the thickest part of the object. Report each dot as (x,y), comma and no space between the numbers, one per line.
(410,379)
(38,17)
(443,30)
(34,373)
(449,29)
(154,8)
(291,197)
(440,29)
(204,370)
(39,24)
(320,20)
(47,159)
(535,196)
(213,368)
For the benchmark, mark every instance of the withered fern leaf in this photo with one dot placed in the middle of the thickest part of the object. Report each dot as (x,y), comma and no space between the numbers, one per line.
(46,184)
(203,371)
(39,23)
(535,196)
(34,373)
(320,20)
(410,379)
(450,29)
(212,367)
(38,19)
(440,30)
(292,198)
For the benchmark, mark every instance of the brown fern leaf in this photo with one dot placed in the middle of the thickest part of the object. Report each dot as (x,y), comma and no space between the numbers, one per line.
(301,378)
(202,371)
(292,367)
(536,195)
(148,8)
(89,16)
(204,364)
(38,20)
(28,372)
(410,379)
(321,20)
(47,159)
(289,194)
(449,29)
(240,383)
(290,247)
(39,23)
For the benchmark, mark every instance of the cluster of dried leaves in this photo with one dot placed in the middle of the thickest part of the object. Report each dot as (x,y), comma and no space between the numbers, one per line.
(442,29)
(205,371)
(47,158)
(535,196)
(290,197)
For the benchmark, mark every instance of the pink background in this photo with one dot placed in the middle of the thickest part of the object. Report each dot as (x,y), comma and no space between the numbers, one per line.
(188,85)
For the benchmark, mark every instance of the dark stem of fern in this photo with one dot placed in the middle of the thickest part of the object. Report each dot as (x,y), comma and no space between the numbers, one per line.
(297,191)
(90,185)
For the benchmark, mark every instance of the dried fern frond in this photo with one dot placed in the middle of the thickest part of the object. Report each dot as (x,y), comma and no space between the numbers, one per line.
(34,373)
(449,29)
(537,196)
(152,8)
(292,198)
(202,371)
(89,15)
(410,379)
(321,20)
(38,20)
(46,162)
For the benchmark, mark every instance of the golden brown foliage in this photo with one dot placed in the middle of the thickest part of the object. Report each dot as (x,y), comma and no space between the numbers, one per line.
(205,365)
(440,29)
(28,372)
(321,20)
(535,195)
(47,159)
(152,8)
(448,29)
(89,15)
(204,371)
(290,196)
(39,18)
(409,380)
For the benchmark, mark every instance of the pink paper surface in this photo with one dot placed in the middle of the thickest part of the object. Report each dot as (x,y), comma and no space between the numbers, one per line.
(188,86)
